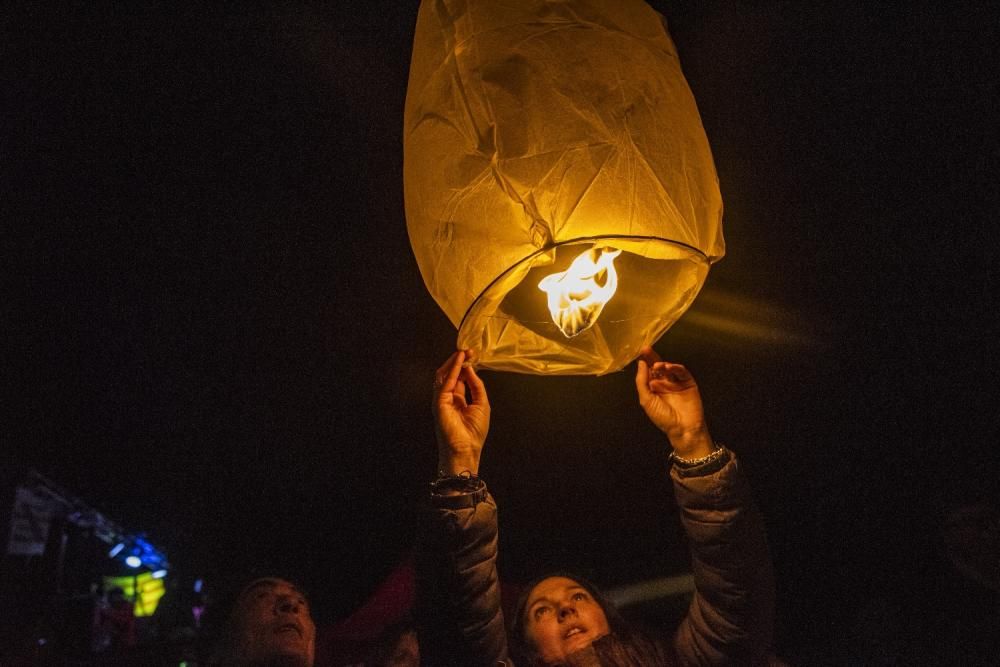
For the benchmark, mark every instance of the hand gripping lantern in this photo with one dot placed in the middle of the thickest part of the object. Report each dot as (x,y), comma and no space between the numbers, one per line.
(561,198)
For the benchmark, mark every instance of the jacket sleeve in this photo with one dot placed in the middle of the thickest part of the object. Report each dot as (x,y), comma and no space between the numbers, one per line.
(731,618)
(458,610)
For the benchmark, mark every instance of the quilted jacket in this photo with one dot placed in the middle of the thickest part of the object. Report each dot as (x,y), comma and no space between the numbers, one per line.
(729,621)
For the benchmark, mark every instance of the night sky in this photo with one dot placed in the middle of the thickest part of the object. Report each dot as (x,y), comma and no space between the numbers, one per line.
(215,330)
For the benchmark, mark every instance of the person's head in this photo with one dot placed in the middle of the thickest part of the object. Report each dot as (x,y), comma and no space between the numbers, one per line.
(270,624)
(558,615)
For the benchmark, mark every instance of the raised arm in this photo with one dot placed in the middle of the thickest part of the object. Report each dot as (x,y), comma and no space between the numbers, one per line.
(461,415)
(730,620)
(458,607)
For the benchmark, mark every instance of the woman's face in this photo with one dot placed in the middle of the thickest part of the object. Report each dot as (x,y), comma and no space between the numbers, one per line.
(562,617)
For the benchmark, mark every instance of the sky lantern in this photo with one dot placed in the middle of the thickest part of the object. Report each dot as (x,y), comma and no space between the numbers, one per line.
(561,198)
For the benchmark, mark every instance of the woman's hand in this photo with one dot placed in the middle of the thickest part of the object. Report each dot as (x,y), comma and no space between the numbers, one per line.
(461,423)
(669,395)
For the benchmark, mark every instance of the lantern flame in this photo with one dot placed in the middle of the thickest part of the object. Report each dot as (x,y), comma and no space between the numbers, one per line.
(578,295)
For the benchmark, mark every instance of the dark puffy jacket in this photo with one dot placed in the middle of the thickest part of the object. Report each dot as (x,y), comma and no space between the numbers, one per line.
(729,622)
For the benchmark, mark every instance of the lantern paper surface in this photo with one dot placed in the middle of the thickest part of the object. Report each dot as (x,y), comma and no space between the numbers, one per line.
(537,131)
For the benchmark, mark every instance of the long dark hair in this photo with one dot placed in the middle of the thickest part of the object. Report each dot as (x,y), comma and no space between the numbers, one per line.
(625,646)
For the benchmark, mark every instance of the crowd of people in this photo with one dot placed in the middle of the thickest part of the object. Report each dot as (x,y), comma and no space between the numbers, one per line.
(560,618)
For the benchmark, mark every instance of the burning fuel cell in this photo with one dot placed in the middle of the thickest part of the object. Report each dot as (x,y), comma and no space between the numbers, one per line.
(577,296)
(561,198)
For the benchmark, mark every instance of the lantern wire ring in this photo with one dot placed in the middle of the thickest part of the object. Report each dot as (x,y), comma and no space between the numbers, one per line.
(578,240)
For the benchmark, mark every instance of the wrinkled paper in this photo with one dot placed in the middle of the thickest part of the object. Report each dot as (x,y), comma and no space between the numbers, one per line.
(532,131)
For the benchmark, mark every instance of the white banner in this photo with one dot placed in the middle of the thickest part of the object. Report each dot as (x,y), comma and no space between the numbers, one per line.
(29,526)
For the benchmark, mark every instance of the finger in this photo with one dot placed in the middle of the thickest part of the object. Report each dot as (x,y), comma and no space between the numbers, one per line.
(442,372)
(447,375)
(477,390)
(459,391)
(680,375)
(664,368)
(676,373)
(662,387)
(642,381)
(649,355)
(660,379)
(672,381)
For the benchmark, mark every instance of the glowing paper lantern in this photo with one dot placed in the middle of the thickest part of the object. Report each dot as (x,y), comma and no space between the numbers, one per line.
(553,155)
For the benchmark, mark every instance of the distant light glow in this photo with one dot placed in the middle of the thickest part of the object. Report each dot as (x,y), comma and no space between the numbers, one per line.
(652,589)
(198,583)
(141,588)
(115,550)
(159,574)
(133,561)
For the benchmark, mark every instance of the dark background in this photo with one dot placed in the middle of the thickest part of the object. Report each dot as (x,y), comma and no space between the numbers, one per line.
(215,330)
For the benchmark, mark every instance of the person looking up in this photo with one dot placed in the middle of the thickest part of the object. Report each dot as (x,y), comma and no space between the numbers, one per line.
(270,626)
(562,619)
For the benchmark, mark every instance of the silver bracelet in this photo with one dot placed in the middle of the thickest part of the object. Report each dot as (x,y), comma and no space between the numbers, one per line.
(716,454)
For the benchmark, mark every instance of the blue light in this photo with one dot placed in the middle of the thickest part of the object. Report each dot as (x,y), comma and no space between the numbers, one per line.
(198,583)
(115,550)
(133,561)
(159,574)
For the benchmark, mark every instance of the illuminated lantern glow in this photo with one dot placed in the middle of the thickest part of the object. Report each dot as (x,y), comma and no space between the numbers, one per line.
(577,295)
(540,133)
